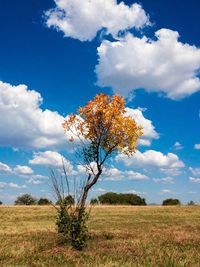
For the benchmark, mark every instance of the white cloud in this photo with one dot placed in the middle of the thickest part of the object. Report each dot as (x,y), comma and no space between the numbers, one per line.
(197,146)
(178,146)
(50,158)
(132,191)
(83,19)
(35,179)
(24,124)
(99,190)
(19,169)
(164,65)
(194,180)
(17,186)
(4,168)
(164,180)
(34,182)
(147,126)
(192,192)
(195,171)
(12,185)
(114,174)
(152,158)
(171,171)
(165,191)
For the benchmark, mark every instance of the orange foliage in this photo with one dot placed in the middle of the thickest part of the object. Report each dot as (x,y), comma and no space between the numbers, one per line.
(103,122)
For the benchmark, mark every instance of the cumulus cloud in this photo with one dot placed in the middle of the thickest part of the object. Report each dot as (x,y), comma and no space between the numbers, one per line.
(164,180)
(50,158)
(4,168)
(12,185)
(164,65)
(178,146)
(165,191)
(34,182)
(195,171)
(194,180)
(147,126)
(132,191)
(152,158)
(114,174)
(34,178)
(19,169)
(197,146)
(83,19)
(171,171)
(24,124)
(99,190)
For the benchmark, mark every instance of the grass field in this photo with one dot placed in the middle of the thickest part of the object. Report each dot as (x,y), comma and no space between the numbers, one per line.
(120,236)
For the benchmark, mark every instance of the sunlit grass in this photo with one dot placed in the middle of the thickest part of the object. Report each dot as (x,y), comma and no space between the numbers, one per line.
(119,236)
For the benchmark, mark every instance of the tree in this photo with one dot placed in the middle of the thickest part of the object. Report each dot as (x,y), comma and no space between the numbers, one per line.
(44,201)
(94,201)
(1,203)
(121,199)
(68,200)
(171,202)
(103,129)
(25,199)
(191,203)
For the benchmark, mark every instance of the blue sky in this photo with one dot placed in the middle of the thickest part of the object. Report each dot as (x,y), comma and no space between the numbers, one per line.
(55,56)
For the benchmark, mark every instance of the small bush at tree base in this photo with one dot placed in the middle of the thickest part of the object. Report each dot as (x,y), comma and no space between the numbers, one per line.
(171,202)
(71,223)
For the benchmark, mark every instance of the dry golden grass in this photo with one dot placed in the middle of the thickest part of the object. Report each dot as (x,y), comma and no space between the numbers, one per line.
(119,236)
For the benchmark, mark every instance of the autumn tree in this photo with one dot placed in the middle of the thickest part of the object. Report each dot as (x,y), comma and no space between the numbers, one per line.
(103,129)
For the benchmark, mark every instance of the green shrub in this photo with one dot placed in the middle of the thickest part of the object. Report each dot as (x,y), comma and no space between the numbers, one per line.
(68,200)
(25,199)
(44,201)
(71,223)
(191,203)
(171,202)
(121,199)
(94,201)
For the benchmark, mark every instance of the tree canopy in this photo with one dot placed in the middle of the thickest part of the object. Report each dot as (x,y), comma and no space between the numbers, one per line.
(25,199)
(121,199)
(44,201)
(171,202)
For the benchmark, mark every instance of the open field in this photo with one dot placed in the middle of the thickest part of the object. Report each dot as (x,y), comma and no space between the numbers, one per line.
(120,236)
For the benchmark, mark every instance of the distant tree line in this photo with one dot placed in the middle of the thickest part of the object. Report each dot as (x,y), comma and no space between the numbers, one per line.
(111,198)
(27,199)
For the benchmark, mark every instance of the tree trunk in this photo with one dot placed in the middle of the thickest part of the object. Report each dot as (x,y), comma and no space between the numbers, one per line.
(87,188)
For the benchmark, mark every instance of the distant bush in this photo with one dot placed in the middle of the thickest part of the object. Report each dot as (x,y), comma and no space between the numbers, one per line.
(121,199)
(191,203)
(68,200)
(25,199)
(1,202)
(44,201)
(171,202)
(94,201)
